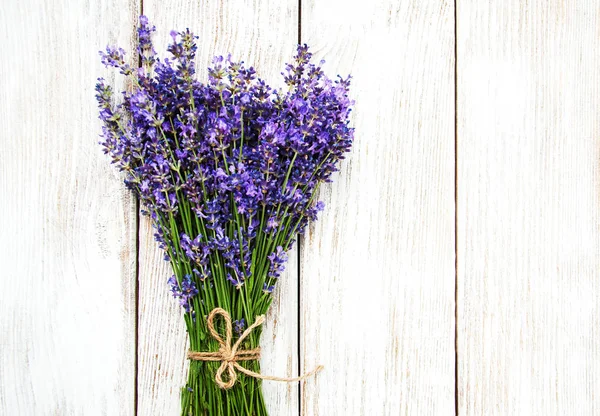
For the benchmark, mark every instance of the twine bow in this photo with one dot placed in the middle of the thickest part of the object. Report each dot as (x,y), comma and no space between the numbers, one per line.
(229,355)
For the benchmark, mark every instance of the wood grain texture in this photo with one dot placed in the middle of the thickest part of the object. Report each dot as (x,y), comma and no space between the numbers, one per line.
(263,33)
(67,245)
(529,207)
(377,270)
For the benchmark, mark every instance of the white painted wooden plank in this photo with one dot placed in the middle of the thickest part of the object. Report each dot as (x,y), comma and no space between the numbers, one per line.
(67,240)
(263,34)
(377,270)
(529,207)
(162,339)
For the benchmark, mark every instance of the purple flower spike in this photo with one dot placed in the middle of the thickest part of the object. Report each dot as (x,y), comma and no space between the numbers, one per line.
(184,291)
(145,47)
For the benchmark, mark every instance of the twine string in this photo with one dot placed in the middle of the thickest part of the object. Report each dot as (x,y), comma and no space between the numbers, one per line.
(230,355)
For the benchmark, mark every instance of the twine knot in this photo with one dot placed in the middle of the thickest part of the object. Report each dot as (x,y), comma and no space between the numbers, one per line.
(226,354)
(229,355)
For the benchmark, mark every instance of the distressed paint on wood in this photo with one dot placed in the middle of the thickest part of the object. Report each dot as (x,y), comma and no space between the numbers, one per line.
(377,270)
(529,207)
(528,213)
(67,308)
(263,34)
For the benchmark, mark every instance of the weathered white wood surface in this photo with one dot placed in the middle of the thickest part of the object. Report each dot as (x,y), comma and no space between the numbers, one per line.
(377,277)
(377,270)
(263,34)
(67,225)
(529,207)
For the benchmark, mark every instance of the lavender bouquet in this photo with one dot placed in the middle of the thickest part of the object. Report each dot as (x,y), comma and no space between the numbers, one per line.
(229,172)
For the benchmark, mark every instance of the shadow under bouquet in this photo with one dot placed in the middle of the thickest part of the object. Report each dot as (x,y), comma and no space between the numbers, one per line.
(229,171)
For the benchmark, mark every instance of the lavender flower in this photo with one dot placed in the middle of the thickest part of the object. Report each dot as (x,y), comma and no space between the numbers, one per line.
(184,291)
(239,326)
(145,48)
(228,169)
(277,259)
(115,57)
(244,159)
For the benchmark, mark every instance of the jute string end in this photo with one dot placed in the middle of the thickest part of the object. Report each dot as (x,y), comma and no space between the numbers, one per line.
(229,355)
